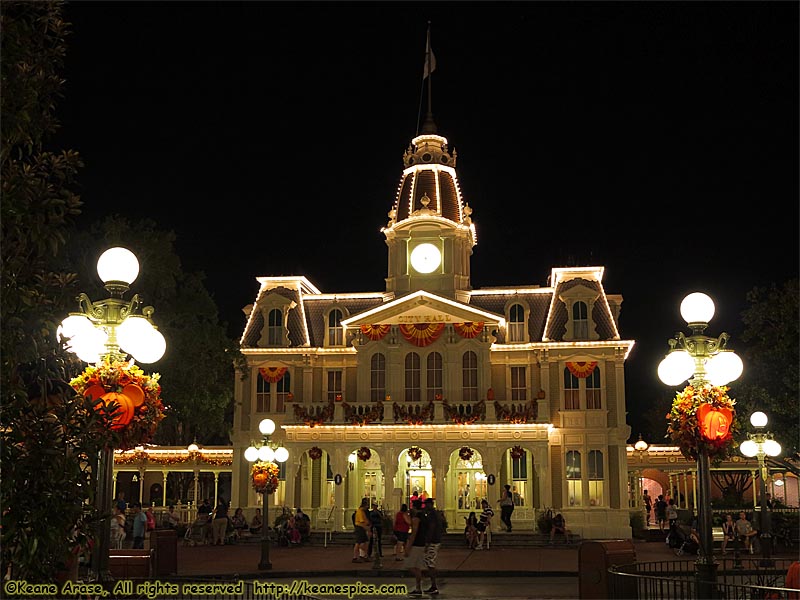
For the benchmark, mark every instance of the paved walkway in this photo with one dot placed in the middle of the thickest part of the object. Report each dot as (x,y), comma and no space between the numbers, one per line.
(241,560)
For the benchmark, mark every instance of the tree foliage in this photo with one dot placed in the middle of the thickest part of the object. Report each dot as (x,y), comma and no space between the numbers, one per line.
(771,356)
(198,368)
(48,435)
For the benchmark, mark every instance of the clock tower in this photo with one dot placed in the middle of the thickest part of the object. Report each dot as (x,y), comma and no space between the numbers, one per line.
(430,233)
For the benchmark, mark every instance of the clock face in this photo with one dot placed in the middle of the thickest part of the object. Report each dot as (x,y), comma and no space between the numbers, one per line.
(425,258)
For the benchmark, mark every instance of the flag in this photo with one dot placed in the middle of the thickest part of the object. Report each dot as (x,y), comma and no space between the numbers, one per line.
(430,59)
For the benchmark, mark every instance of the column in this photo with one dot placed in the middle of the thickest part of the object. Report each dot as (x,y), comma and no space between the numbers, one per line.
(216,487)
(292,469)
(439,466)
(164,488)
(141,471)
(338,459)
(389,473)
(196,486)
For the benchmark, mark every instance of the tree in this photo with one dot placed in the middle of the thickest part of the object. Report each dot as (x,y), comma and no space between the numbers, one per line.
(48,434)
(198,368)
(772,360)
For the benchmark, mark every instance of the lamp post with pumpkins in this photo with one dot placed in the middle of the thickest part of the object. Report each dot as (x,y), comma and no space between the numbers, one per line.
(263,457)
(707,363)
(110,330)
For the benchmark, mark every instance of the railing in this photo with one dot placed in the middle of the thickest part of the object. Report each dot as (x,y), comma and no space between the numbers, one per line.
(677,580)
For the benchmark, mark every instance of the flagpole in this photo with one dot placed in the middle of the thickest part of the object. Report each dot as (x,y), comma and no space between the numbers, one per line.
(428,53)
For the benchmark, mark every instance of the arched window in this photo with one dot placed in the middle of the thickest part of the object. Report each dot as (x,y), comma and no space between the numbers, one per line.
(262,395)
(335,329)
(595,471)
(433,375)
(412,377)
(580,321)
(574,492)
(377,377)
(469,377)
(572,399)
(516,323)
(593,395)
(284,388)
(275,335)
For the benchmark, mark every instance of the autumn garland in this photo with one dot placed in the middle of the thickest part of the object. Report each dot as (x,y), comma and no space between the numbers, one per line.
(690,434)
(114,378)
(264,477)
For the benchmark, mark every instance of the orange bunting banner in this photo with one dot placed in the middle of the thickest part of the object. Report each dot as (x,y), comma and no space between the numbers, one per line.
(422,334)
(272,374)
(468,330)
(375,332)
(581,369)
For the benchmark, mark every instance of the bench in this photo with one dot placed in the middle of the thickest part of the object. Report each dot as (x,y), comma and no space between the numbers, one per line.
(130,564)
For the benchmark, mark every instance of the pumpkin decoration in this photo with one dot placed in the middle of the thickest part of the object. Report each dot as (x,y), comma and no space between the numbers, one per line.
(364,453)
(715,423)
(264,477)
(315,453)
(465,453)
(137,397)
(703,421)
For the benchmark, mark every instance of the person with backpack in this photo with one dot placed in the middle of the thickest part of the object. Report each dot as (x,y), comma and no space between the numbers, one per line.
(506,507)
(376,526)
(434,542)
(361,529)
(415,546)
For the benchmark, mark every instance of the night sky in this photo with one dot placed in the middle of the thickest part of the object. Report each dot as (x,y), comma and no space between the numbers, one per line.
(659,140)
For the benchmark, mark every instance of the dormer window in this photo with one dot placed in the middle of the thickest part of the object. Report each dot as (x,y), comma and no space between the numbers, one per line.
(275,333)
(516,324)
(580,321)
(335,330)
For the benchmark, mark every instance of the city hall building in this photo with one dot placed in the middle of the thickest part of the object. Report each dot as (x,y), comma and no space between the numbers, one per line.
(432,386)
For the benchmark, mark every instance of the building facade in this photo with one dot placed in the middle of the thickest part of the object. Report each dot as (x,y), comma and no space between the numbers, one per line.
(432,386)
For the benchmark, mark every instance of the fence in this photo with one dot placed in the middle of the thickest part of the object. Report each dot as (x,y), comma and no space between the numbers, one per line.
(667,580)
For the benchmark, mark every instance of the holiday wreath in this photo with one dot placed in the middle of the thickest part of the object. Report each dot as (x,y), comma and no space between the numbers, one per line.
(364,453)
(703,421)
(415,453)
(465,453)
(517,452)
(315,453)
(134,397)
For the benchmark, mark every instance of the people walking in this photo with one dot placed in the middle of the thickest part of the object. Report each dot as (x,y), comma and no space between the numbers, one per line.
(434,542)
(361,531)
(139,526)
(400,528)
(506,506)
(648,507)
(415,546)
(661,512)
(219,524)
(376,530)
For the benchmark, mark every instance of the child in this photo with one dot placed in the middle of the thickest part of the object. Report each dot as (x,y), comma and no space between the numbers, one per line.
(471,530)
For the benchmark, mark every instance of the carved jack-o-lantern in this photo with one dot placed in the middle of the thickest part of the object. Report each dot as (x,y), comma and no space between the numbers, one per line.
(260,478)
(715,423)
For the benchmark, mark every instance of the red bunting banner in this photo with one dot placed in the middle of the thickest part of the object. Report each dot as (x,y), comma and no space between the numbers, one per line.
(468,330)
(422,334)
(375,332)
(272,374)
(581,369)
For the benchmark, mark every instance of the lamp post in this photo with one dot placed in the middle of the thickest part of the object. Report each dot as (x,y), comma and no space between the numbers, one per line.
(761,445)
(703,360)
(641,449)
(267,452)
(112,329)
